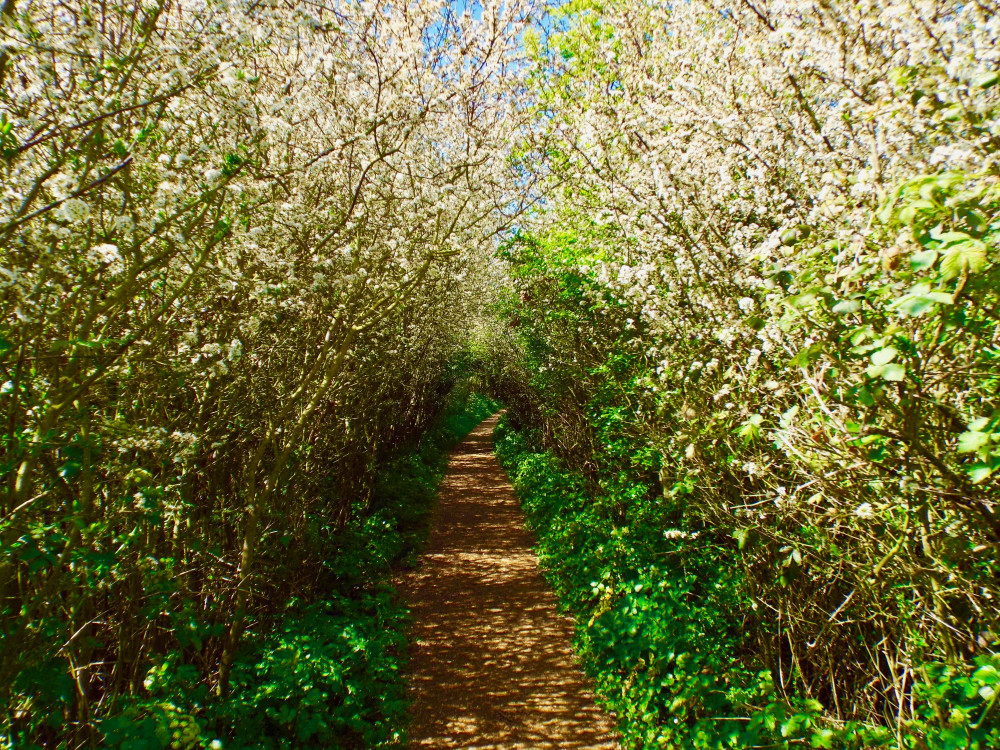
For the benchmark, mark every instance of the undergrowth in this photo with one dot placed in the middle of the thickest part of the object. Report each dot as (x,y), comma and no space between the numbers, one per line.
(329,673)
(661,616)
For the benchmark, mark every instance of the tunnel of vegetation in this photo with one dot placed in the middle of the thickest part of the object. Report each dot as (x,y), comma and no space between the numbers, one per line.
(730,265)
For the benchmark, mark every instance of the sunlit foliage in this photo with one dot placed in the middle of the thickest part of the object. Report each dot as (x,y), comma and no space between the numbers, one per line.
(234,246)
(760,310)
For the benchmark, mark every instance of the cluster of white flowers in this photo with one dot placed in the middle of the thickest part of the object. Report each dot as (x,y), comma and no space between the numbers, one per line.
(316,186)
(790,203)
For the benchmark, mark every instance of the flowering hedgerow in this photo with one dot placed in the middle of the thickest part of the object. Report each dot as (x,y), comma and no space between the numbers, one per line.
(761,303)
(237,241)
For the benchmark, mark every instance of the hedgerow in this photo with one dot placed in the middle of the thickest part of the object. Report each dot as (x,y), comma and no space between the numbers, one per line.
(760,305)
(330,672)
(746,290)
(235,243)
(662,625)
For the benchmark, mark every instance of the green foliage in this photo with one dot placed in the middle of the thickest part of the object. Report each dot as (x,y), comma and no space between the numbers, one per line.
(662,625)
(326,672)
(329,677)
(830,432)
(658,640)
(966,702)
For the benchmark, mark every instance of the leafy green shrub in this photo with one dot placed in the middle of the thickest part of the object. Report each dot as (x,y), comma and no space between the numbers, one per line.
(329,677)
(153,725)
(661,617)
(329,673)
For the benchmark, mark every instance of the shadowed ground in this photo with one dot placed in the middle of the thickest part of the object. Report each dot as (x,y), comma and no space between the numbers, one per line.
(491,665)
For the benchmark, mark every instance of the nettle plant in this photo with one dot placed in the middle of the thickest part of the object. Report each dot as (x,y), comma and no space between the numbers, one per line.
(772,227)
(233,238)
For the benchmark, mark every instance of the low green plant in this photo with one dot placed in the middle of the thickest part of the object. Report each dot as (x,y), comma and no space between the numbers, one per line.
(328,673)
(662,615)
(329,677)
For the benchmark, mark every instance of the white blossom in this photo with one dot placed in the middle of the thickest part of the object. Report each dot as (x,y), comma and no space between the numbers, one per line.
(75,210)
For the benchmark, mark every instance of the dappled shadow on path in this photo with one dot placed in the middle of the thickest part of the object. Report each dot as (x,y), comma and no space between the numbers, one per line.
(491,664)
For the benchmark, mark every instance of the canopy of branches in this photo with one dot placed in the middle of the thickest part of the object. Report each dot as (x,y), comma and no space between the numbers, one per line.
(734,262)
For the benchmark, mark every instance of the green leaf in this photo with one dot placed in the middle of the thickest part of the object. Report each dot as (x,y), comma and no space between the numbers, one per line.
(915,306)
(975,219)
(822,738)
(953,113)
(788,417)
(804,300)
(750,430)
(742,537)
(966,256)
(795,235)
(923,260)
(909,212)
(970,442)
(942,298)
(807,355)
(919,299)
(884,356)
(979,424)
(949,238)
(902,76)
(847,306)
(987,674)
(894,372)
(986,80)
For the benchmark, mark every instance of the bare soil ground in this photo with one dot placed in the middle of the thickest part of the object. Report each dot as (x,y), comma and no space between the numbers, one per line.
(491,664)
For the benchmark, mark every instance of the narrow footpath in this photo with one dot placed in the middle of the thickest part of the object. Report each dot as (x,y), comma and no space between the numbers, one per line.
(491,663)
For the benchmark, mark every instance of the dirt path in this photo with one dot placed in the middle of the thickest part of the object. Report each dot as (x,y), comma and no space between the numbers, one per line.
(491,661)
